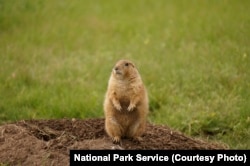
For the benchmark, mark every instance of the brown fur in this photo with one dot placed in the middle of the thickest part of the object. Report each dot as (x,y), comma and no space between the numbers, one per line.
(126,103)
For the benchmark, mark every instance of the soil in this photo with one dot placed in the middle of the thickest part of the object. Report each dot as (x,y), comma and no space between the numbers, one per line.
(47,142)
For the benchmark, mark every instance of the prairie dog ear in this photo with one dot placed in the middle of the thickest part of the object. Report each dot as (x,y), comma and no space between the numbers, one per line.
(132,64)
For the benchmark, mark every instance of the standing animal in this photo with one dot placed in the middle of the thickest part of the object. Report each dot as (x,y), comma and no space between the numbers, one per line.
(126,103)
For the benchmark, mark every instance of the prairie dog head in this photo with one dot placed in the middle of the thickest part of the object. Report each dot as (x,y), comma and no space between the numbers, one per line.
(125,69)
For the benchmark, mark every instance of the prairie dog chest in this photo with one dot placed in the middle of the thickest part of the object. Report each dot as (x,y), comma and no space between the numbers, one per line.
(124,93)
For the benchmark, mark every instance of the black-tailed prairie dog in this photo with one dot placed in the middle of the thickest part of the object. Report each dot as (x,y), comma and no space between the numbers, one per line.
(126,103)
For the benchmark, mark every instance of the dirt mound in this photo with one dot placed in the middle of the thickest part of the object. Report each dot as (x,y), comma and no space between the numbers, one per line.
(47,142)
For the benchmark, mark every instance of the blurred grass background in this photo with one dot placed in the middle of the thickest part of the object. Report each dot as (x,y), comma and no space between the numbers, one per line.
(194,56)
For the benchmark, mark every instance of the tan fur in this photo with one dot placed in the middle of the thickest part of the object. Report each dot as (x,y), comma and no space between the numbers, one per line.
(126,103)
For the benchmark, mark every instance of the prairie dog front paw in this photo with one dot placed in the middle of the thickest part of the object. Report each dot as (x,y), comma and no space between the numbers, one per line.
(131,107)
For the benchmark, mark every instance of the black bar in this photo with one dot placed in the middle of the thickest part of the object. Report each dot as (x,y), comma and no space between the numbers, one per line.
(159,157)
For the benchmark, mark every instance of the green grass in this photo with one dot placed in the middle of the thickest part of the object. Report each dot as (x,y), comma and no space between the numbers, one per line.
(194,56)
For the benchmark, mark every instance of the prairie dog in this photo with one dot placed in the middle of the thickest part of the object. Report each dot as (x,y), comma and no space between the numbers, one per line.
(126,103)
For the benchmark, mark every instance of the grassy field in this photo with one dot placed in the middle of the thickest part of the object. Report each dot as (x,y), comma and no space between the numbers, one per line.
(194,57)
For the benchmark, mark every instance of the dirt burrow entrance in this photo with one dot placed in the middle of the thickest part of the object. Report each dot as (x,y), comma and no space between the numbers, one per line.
(47,142)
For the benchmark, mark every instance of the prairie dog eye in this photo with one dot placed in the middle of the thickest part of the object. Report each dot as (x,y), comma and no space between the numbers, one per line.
(126,64)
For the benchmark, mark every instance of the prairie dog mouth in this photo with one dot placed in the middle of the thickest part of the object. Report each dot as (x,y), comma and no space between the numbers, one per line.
(117,71)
